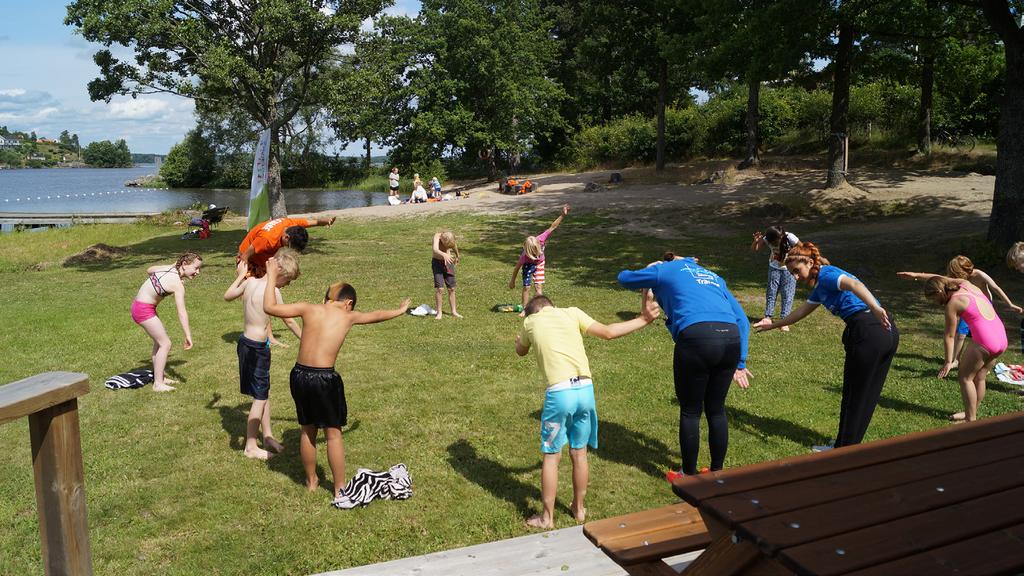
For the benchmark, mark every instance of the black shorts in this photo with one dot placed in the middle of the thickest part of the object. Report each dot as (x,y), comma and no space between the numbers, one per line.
(254,368)
(319,396)
(443,275)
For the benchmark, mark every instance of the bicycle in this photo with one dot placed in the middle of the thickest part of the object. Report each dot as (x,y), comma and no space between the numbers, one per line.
(962,142)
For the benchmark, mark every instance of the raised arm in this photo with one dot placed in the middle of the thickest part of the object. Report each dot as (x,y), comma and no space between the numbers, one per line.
(565,211)
(270,302)
(248,254)
(758,242)
(237,287)
(999,291)
(380,315)
(862,292)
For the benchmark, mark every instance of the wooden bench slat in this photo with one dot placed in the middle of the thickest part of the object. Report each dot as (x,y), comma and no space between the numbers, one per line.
(990,554)
(666,517)
(639,548)
(748,505)
(30,395)
(887,542)
(873,508)
(701,487)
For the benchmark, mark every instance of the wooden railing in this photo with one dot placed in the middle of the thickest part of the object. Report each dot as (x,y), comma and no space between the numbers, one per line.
(50,401)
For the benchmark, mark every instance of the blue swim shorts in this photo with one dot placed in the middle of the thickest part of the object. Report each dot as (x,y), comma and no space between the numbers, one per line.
(569,415)
(962,329)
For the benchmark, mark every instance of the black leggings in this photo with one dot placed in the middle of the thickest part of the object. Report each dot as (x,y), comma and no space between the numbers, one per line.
(869,351)
(705,360)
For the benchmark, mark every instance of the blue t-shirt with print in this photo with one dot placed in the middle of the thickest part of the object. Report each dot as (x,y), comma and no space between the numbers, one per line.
(688,294)
(827,292)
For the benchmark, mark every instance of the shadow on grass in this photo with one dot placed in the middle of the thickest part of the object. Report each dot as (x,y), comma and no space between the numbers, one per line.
(618,443)
(767,427)
(167,248)
(169,371)
(231,337)
(495,477)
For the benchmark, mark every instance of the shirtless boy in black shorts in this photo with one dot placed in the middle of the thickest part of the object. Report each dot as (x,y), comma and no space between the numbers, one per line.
(317,389)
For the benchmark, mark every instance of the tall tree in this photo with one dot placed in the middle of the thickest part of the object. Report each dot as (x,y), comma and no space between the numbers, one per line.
(1005,226)
(482,83)
(262,56)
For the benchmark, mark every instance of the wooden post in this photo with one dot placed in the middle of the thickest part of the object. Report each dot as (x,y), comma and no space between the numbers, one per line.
(50,402)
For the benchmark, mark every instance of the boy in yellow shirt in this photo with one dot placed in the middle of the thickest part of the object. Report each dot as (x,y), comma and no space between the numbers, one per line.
(569,414)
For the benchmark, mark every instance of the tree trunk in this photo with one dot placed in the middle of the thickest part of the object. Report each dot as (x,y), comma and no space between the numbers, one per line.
(659,153)
(274,191)
(753,121)
(1005,226)
(839,121)
(369,158)
(924,113)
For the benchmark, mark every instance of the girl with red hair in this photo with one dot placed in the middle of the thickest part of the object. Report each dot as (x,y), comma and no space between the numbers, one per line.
(870,339)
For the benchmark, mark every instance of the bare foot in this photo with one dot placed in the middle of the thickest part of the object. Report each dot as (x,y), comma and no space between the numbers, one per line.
(169,380)
(456,314)
(312,485)
(522,314)
(438,317)
(579,513)
(762,322)
(958,417)
(162,387)
(538,522)
(784,328)
(955,422)
(273,444)
(257,453)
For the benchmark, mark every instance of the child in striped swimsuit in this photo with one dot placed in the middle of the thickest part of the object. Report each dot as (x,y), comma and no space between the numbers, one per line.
(531,261)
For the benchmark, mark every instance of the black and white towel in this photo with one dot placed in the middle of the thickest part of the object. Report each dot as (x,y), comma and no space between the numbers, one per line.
(367,485)
(136,379)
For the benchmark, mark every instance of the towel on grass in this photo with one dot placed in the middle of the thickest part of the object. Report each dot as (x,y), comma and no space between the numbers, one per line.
(367,485)
(1010,373)
(136,379)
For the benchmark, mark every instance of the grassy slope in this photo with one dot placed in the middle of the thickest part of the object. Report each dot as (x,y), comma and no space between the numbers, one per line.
(170,493)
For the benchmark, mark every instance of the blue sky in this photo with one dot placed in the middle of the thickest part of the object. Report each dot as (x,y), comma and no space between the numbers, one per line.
(44,71)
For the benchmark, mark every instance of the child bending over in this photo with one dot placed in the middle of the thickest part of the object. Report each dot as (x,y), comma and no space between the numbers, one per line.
(316,387)
(254,347)
(531,261)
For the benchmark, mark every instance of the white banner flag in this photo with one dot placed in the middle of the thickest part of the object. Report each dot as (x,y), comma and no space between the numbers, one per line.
(259,202)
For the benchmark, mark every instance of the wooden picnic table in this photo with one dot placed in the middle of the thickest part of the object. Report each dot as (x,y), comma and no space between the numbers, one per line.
(945,501)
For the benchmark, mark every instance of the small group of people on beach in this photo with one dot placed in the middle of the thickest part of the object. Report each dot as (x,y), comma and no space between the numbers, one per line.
(709,328)
(420,193)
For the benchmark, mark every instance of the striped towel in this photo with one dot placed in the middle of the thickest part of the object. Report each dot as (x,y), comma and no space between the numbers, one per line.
(136,379)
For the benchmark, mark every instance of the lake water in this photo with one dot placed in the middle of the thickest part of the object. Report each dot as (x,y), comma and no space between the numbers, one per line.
(103,190)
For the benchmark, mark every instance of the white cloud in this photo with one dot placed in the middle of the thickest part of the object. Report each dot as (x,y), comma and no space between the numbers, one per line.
(137,109)
(12,92)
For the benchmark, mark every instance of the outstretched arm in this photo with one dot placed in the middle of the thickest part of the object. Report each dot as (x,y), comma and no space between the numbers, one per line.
(380,315)
(794,317)
(648,313)
(758,242)
(916,275)
(324,221)
(999,291)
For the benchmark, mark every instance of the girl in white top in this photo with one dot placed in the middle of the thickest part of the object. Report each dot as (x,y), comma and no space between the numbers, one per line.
(780,281)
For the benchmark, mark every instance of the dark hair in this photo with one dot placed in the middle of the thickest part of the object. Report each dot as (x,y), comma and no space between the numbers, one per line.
(339,292)
(668,256)
(777,234)
(537,303)
(297,237)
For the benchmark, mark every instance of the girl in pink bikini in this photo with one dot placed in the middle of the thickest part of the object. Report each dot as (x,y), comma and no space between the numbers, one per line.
(164,280)
(963,300)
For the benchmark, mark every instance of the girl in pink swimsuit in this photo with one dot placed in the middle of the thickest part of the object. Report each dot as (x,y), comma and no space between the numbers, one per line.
(161,281)
(961,299)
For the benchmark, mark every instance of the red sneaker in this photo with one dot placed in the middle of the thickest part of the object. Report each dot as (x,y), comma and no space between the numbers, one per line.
(672,475)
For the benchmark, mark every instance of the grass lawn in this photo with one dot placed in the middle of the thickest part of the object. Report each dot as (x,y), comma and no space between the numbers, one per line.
(169,491)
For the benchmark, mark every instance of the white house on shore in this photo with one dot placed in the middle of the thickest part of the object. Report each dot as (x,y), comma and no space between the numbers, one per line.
(9,142)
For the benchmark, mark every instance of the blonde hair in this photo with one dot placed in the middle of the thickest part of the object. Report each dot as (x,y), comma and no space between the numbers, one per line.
(960,267)
(288,263)
(1015,257)
(446,241)
(532,248)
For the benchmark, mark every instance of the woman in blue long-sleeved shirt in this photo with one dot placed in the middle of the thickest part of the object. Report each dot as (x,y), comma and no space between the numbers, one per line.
(711,332)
